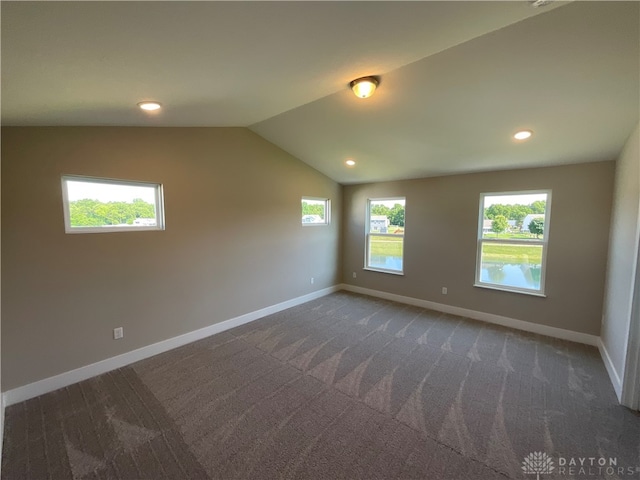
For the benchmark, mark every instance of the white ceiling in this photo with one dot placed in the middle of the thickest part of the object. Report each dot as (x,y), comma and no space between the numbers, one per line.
(457,78)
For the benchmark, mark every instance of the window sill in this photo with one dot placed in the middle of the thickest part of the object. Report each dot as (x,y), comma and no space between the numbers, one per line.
(510,290)
(112,229)
(379,270)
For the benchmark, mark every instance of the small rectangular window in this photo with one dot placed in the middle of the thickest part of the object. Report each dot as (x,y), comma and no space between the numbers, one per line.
(98,205)
(315,211)
(385,235)
(513,232)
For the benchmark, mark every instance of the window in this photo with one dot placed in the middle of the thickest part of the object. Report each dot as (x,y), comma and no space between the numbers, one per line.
(315,211)
(97,205)
(385,235)
(513,232)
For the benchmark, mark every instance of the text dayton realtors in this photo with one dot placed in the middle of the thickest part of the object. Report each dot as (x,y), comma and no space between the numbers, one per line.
(593,466)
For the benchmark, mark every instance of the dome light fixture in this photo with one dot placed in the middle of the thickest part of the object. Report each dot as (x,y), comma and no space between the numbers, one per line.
(150,106)
(350,163)
(364,87)
(523,134)
(540,3)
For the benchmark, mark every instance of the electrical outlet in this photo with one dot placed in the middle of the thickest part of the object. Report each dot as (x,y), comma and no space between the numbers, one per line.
(311,280)
(354,274)
(444,290)
(118,333)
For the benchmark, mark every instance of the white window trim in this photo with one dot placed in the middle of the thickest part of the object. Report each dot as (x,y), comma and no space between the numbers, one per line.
(368,233)
(382,270)
(544,242)
(327,211)
(159,199)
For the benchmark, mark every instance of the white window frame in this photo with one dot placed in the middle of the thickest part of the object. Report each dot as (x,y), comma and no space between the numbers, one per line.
(327,212)
(158,197)
(544,242)
(368,235)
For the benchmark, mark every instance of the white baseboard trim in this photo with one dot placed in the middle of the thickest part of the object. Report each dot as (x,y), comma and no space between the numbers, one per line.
(1,424)
(485,317)
(611,370)
(50,384)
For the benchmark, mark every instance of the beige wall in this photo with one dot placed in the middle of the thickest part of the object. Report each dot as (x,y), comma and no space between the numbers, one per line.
(441,232)
(233,241)
(623,252)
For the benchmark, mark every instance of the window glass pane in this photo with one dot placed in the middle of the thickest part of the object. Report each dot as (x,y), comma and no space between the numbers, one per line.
(517,217)
(385,234)
(385,252)
(314,211)
(92,204)
(387,216)
(511,265)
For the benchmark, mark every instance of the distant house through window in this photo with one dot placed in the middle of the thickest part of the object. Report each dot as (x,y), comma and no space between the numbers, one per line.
(513,233)
(100,205)
(315,211)
(385,235)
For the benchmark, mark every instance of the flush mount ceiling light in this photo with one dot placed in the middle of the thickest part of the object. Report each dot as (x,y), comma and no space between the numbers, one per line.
(149,106)
(540,3)
(523,134)
(364,87)
(350,163)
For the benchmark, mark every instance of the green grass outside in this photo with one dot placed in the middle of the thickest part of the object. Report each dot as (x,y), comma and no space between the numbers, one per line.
(514,254)
(381,245)
(511,236)
(494,253)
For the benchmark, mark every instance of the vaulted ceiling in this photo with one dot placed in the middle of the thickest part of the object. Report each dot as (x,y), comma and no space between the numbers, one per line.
(457,79)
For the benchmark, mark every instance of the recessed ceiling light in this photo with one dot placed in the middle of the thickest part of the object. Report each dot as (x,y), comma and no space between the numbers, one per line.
(350,163)
(523,134)
(149,106)
(364,87)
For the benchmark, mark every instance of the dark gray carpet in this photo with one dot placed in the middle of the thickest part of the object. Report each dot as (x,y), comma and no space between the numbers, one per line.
(346,386)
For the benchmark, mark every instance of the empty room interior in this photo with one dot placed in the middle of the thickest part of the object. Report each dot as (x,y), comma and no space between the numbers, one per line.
(290,240)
